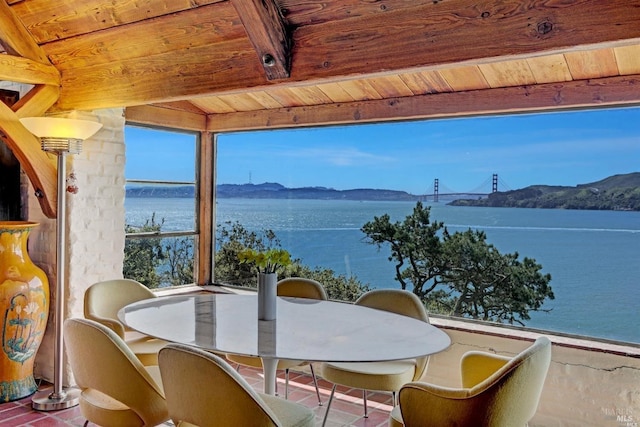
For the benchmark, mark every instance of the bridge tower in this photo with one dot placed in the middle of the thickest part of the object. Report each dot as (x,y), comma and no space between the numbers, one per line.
(494,184)
(435,190)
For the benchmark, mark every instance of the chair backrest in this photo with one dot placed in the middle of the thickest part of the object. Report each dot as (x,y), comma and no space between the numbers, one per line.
(400,302)
(508,397)
(101,361)
(518,384)
(103,300)
(299,287)
(204,390)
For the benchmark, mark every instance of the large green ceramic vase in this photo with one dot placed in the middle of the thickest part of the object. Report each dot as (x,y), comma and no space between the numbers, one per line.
(24,309)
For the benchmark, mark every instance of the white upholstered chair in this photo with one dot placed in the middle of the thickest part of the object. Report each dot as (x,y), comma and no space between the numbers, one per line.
(380,376)
(103,300)
(203,390)
(497,391)
(116,389)
(296,287)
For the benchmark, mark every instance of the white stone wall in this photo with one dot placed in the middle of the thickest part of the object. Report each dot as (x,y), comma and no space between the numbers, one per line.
(583,387)
(95,225)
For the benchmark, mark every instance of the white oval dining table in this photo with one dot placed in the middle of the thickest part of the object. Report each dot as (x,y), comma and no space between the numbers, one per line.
(304,329)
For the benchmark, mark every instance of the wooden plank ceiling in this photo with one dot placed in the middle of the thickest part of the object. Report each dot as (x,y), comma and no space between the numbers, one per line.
(207,57)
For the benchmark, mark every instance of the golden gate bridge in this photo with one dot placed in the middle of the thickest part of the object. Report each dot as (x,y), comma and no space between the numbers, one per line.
(439,190)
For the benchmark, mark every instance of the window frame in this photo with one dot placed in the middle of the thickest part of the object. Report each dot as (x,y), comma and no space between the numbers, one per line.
(195,233)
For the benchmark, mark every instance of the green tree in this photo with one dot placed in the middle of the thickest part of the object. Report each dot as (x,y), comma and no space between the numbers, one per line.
(460,273)
(338,287)
(233,238)
(489,285)
(156,261)
(415,246)
(142,256)
(178,253)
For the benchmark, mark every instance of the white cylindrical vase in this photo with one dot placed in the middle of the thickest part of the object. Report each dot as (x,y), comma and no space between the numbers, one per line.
(267,296)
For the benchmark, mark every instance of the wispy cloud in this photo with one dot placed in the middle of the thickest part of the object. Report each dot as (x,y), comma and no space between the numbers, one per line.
(345,156)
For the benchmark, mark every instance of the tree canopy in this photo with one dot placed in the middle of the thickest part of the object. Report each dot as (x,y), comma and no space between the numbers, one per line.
(459,274)
(157,261)
(233,238)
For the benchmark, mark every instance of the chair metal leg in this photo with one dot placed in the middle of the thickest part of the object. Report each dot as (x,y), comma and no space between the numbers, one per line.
(326,414)
(315,383)
(286,384)
(394,397)
(364,400)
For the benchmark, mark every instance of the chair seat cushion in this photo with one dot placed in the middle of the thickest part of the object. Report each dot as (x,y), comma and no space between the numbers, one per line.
(104,410)
(383,376)
(289,414)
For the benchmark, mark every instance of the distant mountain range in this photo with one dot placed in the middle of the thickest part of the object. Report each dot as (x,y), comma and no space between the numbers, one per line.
(277,191)
(618,192)
(270,190)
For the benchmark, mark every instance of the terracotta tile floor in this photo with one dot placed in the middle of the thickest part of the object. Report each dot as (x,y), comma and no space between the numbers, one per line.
(346,409)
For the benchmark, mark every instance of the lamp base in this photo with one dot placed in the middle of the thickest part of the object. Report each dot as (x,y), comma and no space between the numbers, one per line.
(48,401)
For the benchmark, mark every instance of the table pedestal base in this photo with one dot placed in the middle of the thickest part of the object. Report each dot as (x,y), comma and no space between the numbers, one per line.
(269,367)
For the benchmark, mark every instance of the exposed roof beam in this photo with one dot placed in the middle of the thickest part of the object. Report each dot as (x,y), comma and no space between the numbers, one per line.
(26,62)
(40,169)
(613,91)
(453,33)
(15,38)
(23,70)
(37,101)
(267,30)
(69,19)
(165,117)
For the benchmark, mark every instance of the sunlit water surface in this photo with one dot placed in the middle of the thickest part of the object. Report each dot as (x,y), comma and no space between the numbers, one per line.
(592,256)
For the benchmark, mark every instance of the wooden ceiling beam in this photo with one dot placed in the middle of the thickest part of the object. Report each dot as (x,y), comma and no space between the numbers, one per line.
(15,38)
(23,70)
(463,32)
(160,78)
(267,30)
(67,19)
(158,40)
(37,101)
(26,62)
(613,91)
(40,169)
(165,117)
(422,38)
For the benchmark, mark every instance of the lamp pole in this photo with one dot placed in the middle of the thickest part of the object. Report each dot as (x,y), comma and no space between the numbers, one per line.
(60,398)
(59,136)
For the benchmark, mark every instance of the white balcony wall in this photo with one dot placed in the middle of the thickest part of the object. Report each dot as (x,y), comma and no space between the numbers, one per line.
(589,383)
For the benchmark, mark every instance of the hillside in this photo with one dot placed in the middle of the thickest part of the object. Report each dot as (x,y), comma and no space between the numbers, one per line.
(277,191)
(269,190)
(617,192)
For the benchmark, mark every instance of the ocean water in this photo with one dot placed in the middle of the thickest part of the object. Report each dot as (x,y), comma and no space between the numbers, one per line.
(592,256)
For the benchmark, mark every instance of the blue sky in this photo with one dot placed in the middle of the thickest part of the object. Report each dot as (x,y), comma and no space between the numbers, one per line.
(566,148)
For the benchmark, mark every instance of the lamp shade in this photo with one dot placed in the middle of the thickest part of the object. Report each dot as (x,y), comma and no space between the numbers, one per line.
(57,127)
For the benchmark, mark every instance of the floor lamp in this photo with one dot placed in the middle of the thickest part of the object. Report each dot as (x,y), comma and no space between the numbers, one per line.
(60,136)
